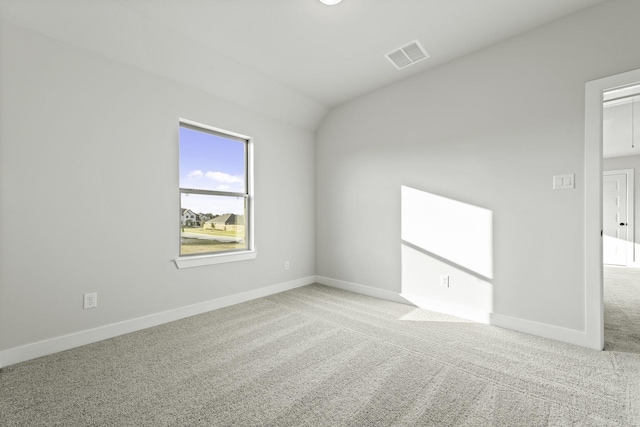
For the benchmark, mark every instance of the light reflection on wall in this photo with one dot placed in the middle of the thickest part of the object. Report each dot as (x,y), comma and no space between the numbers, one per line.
(441,236)
(618,251)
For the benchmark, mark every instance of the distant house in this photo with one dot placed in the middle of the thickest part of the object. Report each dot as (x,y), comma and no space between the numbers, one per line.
(204,217)
(228,222)
(188,218)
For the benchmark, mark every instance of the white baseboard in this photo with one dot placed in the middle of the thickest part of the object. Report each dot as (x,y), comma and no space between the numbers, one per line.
(558,333)
(432,305)
(361,289)
(65,342)
(570,336)
(77,339)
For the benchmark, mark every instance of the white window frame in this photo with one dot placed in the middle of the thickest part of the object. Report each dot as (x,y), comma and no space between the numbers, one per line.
(231,256)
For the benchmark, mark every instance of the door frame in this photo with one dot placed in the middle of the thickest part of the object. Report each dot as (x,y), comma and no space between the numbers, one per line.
(593,269)
(631,253)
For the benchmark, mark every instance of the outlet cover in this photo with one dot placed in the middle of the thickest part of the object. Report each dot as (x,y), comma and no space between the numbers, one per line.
(286,265)
(91,300)
(444,280)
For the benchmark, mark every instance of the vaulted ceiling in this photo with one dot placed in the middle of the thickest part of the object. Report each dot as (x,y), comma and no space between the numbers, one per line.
(313,55)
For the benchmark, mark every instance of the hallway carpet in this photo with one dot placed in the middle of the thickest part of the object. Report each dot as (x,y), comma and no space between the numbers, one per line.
(622,309)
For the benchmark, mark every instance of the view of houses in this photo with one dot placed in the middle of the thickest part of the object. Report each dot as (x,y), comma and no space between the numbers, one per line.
(206,233)
(225,222)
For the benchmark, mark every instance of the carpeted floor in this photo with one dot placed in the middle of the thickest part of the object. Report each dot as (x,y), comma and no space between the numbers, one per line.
(622,309)
(318,356)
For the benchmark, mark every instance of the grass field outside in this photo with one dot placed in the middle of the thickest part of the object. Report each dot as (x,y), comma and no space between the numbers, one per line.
(210,232)
(195,246)
(192,246)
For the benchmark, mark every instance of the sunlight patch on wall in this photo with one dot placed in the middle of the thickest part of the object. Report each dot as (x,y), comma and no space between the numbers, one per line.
(453,230)
(616,251)
(444,237)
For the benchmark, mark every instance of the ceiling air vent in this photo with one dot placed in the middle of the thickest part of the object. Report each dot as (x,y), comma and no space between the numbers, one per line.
(407,55)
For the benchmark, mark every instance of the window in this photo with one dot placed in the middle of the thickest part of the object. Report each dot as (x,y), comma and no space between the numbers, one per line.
(215,193)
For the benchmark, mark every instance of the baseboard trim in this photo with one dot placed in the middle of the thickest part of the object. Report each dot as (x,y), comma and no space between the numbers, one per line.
(558,333)
(570,336)
(65,342)
(427,304)
(362,289)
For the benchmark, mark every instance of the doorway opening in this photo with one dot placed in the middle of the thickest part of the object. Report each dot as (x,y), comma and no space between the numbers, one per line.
(596,93)
(621,276)
(618,246)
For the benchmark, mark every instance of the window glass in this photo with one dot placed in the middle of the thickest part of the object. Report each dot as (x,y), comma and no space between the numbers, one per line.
(214,197)
(211,162)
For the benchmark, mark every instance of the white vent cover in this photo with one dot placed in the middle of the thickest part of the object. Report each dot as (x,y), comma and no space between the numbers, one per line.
(407,55)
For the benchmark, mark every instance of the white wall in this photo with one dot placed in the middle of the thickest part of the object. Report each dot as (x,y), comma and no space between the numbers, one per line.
(81,133)
(489,130)
(86,135)
(628,162)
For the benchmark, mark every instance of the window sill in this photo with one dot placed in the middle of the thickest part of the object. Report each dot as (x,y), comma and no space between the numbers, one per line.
(198,261)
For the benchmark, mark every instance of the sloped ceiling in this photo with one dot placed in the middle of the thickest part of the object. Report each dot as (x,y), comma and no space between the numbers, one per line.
(290,59)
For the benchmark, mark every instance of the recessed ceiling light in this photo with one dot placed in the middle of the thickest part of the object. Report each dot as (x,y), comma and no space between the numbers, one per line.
(330,2)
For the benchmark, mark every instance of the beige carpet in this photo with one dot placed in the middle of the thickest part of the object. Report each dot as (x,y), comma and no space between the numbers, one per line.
(318,356)
(622,309)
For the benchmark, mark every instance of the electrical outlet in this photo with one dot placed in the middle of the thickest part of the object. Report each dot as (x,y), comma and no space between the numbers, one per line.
(444,280)
(91,300)
(286,265)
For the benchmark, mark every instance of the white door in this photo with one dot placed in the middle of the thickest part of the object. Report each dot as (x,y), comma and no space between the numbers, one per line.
(615,246)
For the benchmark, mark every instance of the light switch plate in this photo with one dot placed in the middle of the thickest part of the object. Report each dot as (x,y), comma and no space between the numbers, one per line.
(564,182)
